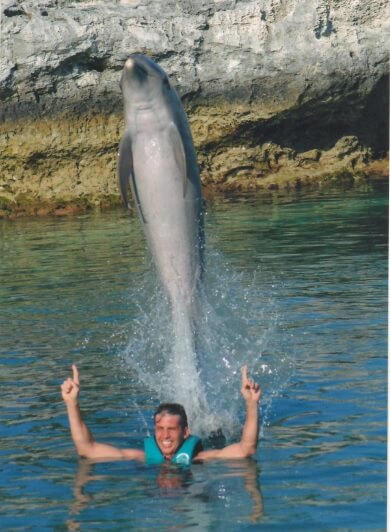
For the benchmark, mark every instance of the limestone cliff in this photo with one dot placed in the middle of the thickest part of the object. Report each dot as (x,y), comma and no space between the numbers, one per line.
(277,91)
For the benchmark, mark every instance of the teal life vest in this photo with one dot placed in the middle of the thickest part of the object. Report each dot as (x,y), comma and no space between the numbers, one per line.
(183,455)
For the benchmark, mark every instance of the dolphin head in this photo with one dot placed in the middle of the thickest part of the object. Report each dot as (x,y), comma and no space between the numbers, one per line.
(142,83)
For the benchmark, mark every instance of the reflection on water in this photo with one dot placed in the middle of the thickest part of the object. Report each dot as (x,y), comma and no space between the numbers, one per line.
(295,286)
(201,493)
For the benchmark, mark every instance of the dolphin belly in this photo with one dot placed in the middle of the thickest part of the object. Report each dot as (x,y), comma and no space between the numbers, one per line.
(171,224)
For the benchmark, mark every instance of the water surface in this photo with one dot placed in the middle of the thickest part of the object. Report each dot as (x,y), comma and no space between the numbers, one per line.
(296,287)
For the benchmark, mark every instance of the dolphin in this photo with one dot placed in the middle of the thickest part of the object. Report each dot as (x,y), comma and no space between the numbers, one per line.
(158,161)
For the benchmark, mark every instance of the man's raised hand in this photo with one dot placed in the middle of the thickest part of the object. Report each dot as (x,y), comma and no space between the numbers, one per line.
(250,390)
(70,387)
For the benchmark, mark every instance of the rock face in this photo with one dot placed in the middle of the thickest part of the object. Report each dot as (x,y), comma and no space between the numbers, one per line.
(276,90)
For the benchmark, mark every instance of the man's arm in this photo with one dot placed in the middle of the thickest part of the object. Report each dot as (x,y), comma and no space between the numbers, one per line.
(251,393)
(82,437)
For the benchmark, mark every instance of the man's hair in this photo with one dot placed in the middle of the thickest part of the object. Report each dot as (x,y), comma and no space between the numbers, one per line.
(174,409)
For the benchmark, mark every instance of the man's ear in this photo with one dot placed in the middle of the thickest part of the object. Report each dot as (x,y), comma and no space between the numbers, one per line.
(186,433)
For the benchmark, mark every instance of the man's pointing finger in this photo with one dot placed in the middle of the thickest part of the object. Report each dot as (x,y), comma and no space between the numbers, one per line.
(75,374)
(244,373)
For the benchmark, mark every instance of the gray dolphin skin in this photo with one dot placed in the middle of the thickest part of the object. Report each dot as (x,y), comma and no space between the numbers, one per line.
(157,159)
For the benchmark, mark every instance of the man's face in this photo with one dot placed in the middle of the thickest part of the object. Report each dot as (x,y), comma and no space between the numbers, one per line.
(169,434)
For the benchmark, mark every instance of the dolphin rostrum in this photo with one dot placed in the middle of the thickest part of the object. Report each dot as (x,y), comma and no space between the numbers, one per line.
(157,159)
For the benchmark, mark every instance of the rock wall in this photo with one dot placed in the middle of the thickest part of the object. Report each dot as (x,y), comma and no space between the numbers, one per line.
(278,92)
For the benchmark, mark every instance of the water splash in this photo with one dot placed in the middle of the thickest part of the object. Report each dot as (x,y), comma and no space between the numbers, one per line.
(236,326)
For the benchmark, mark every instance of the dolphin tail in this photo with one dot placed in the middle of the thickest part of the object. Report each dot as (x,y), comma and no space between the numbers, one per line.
(126,174)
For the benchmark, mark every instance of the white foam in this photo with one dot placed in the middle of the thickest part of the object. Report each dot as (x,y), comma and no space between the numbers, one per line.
(198,364)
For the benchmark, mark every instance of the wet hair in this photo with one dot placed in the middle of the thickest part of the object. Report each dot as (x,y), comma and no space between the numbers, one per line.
(173,409)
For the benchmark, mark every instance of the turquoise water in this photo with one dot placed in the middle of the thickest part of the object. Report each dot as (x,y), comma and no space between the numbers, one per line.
(296,286)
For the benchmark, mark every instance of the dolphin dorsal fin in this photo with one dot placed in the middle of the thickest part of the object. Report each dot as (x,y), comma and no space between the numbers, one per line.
(179,153)
(126,173)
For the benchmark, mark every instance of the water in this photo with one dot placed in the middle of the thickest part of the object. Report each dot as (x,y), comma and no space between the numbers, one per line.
(296,287)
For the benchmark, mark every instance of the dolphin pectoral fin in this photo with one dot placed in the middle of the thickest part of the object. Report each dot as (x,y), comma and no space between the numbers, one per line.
(125,167)
(180,155)
(126,174)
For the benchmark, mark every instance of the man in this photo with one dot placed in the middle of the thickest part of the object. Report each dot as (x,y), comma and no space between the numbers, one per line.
(172,441)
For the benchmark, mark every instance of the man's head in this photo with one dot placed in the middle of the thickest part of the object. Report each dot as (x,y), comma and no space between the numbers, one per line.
(170,428)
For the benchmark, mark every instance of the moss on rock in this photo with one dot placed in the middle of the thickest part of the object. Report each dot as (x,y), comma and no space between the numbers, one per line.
(68,164)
